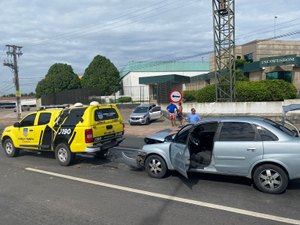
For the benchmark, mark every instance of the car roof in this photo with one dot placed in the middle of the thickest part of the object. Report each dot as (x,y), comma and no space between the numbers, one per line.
(235,119)
(146,105)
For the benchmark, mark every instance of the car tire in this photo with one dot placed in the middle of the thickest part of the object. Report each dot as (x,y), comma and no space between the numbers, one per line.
(270,178)
(63,154)
(147,121)
(10,149)
(156,166)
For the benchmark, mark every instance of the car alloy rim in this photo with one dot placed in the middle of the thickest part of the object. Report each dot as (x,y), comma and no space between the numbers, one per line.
(155,166)
(62,154)
(9,148)
(270,179)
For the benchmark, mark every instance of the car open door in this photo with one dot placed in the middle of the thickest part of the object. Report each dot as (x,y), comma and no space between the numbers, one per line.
(155,112)
(179,152)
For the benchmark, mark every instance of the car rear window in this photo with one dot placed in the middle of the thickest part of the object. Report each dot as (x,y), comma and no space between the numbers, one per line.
(280,127)
(106,114)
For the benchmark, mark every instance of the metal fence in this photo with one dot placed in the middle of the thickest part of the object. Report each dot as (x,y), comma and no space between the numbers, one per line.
(84,96)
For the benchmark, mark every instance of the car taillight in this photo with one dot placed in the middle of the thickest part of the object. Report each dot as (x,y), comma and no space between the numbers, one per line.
(88,136)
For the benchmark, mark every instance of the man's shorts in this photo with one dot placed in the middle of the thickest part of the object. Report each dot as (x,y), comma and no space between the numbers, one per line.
(172,116)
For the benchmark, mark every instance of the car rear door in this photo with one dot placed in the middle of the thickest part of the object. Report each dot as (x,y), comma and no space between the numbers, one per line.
(237,148)
(43,133)
(179,152)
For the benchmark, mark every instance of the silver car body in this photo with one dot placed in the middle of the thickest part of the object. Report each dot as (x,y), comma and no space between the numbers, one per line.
(145,113)
(237,157)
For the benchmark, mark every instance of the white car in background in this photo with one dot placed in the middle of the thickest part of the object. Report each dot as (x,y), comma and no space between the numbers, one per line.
(145,113)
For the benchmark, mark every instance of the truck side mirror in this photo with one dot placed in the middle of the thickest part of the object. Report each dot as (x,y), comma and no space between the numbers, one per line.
(17,124)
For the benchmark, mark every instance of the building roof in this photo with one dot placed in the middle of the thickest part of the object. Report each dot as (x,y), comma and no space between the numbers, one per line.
(164,66)
(164,78)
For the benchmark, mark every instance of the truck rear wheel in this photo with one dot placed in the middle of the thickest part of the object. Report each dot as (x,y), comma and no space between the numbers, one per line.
(63,154)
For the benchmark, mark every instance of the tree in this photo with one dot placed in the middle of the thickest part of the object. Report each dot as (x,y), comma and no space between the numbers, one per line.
(101,74)
(59,77)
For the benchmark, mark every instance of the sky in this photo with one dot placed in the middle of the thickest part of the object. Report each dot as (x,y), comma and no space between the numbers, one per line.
(75,31)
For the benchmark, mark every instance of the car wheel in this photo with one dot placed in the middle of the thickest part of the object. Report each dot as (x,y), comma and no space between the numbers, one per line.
(9,148)
(270,179)
(156,166)
(63,154)
(147,121)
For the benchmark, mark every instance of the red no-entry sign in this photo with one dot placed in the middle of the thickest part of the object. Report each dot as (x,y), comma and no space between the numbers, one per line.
(176,96)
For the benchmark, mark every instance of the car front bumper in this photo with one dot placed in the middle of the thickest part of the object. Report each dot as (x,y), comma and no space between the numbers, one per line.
(138,162)
(137,120)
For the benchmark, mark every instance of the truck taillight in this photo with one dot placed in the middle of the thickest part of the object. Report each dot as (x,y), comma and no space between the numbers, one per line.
(88,136)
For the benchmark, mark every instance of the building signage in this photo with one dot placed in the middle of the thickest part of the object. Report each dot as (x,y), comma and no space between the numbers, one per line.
(278,61)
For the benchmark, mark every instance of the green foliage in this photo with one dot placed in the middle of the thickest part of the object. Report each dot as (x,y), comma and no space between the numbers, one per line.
(207,94)
(190,95)
(265,90)
(239,76)
(59,77)
(254,91)
(124,99)
(102,74)
(239,64)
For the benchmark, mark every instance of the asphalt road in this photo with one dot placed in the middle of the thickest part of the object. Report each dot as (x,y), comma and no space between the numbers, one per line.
(34,189)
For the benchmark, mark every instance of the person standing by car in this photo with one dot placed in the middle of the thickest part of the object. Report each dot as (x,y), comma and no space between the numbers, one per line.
(193,117)
(172,108)
(179,113)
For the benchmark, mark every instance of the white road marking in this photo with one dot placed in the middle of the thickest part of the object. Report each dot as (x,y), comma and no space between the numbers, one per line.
(173,198)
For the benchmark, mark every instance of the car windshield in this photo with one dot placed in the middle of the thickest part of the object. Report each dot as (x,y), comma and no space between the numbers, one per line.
(141,109)
(280,127)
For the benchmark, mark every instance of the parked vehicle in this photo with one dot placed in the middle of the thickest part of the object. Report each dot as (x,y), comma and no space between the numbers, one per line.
(252,147)
(66,131)
(23,108)
(145,113)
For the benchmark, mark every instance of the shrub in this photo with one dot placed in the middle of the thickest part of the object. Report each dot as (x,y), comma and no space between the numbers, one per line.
(207,94)
(253,91)
(124,99)
(190,95)
(265,90)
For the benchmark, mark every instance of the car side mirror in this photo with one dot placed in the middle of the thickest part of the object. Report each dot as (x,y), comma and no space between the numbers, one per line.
(169,138)
(17,124)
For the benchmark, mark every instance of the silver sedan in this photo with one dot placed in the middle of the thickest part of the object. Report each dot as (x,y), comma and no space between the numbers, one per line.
(253,147)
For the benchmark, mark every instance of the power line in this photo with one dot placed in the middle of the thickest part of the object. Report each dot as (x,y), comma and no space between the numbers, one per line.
(118,22)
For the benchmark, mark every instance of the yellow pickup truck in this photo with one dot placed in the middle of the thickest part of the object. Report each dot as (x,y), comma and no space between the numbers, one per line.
(66,131)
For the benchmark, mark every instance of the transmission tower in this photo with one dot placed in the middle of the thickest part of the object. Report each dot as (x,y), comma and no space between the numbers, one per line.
(15,51)
(224,49)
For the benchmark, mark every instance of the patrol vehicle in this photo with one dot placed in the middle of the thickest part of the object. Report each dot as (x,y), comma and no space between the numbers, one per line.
(66,131)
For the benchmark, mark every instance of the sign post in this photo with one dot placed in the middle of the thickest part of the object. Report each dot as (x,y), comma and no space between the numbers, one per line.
(176,96)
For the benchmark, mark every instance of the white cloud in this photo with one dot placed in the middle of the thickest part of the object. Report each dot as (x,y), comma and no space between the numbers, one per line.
(74,32)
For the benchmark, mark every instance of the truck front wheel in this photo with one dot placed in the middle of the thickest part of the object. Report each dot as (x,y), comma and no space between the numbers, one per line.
(9,148)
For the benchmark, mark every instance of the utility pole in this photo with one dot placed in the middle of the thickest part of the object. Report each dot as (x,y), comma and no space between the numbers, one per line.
(224,49)
(15,51)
